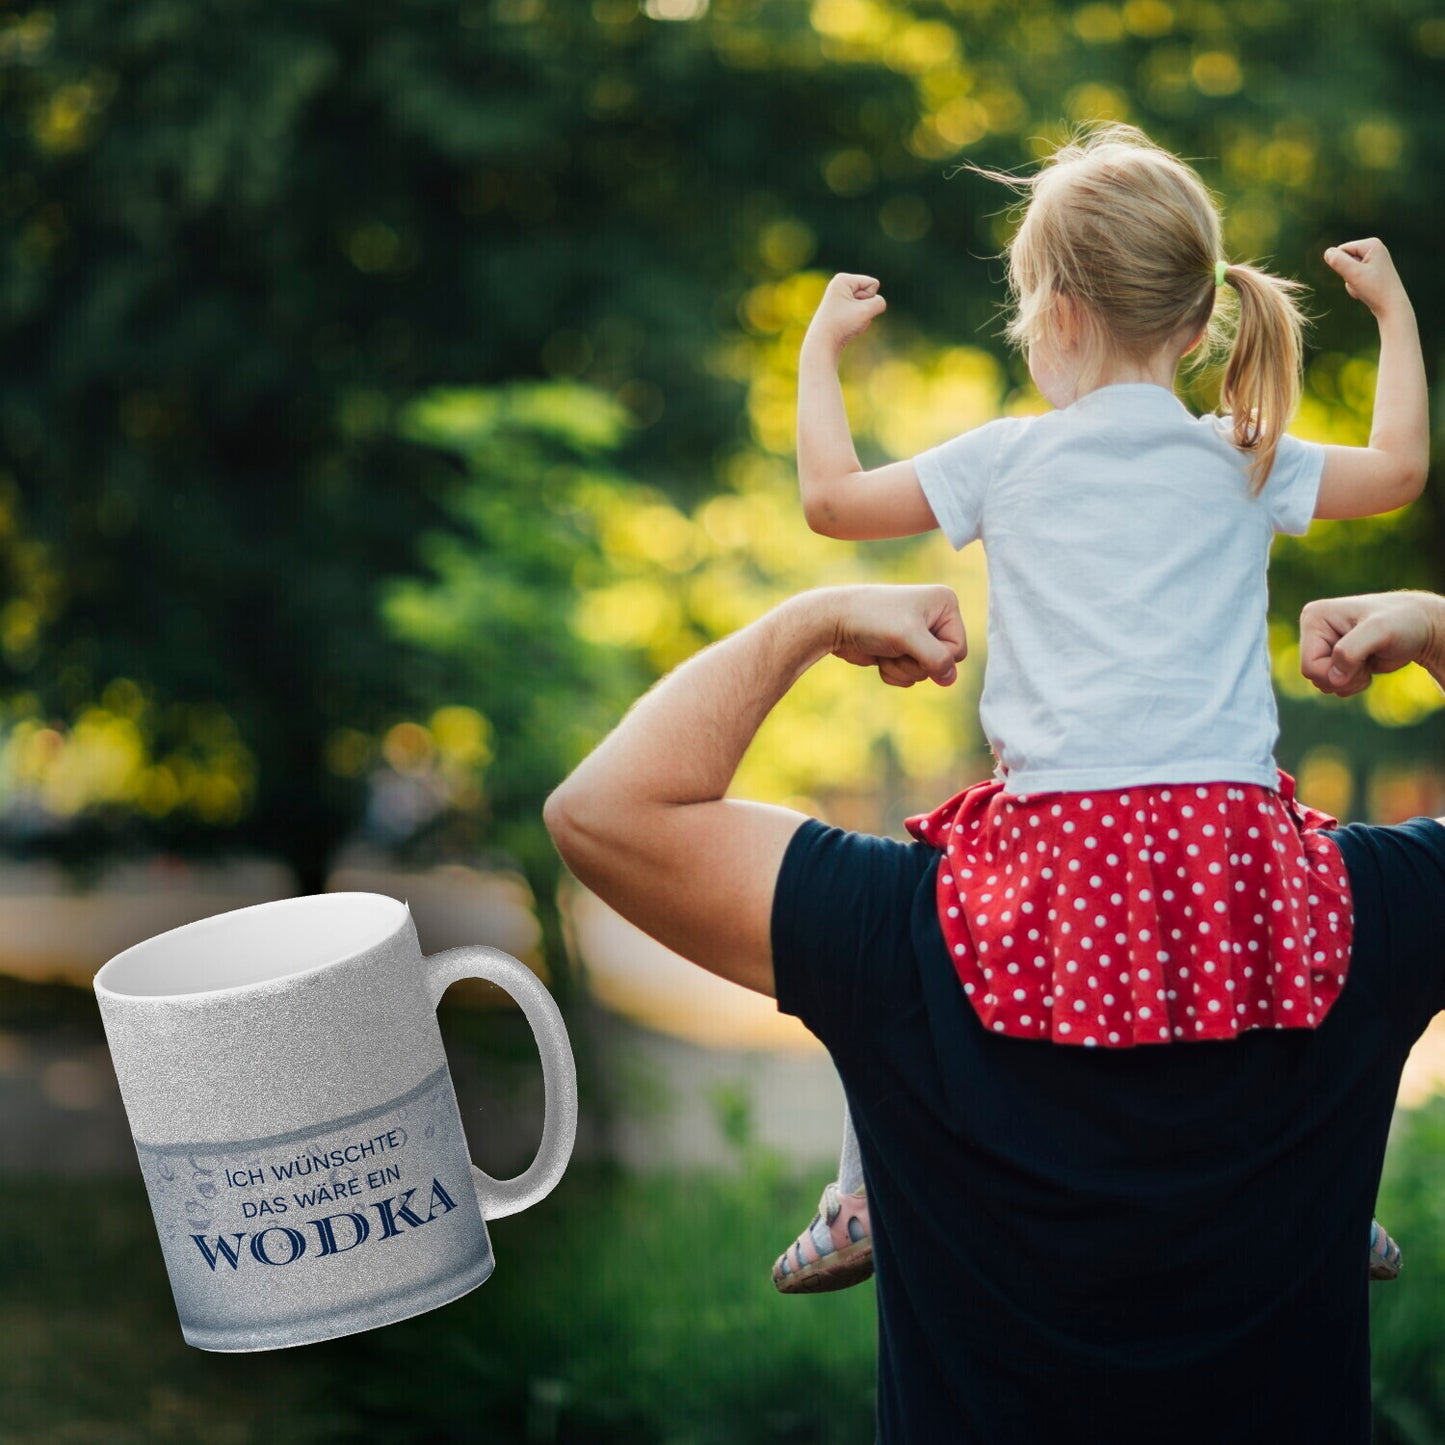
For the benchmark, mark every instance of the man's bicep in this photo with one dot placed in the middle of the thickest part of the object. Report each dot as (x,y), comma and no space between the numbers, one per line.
(701,882)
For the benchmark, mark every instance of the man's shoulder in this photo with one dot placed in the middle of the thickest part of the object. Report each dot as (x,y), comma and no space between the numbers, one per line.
(1371,849)
(839,880)
(1397,891)
(1394,868)
(850,911)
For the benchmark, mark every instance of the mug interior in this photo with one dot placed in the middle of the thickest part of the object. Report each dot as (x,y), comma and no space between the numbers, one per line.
(253,945)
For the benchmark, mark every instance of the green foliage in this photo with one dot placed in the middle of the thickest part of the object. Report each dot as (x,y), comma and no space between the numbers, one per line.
(472,423)
(240,239)
(492,613)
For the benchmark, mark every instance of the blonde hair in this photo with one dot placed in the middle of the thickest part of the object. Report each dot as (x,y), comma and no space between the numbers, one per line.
(1131,236)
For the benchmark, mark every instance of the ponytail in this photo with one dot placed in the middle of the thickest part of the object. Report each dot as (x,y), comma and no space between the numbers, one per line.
(1261,387)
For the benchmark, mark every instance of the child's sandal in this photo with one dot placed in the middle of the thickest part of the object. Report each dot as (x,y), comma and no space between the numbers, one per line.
(807,1268)
(1385,1256)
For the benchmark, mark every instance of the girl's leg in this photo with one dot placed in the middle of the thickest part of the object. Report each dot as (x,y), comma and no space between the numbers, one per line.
(836,1249)
(850,1162)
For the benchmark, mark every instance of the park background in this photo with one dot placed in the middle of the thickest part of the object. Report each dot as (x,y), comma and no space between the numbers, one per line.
(389,392)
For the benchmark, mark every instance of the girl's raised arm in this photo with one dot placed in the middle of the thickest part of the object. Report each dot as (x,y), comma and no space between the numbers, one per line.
(1390,472)
(840,499)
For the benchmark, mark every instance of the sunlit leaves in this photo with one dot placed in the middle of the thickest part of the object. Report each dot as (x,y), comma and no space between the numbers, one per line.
(1398,699)
(122,753)
(1094,102)
(649,581)
(746,550)
(1430,37)
(25,35)
(446,757)
(786,244)
(1217,72)
(1148,19)
(231,265)
(1379,144)
(32,583)
(903,393)
(636,612)
(62,123)
(1393,699)
(850,172)
(923,396)
(470,420)
(1325,777)
(1098,24)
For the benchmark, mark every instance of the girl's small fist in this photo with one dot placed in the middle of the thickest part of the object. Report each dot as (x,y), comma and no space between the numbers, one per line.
(1368,272)
(847,309)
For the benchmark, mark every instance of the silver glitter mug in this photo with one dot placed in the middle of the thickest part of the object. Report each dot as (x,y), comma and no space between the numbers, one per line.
(295,1121)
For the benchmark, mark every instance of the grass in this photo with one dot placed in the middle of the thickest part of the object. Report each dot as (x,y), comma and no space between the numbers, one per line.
(622,1309)
(1407,1325)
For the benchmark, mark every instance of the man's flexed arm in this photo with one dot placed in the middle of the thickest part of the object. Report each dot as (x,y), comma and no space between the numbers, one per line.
(643,820)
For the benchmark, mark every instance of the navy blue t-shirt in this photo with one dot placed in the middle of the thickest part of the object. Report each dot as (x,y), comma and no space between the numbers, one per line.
(1164,1243)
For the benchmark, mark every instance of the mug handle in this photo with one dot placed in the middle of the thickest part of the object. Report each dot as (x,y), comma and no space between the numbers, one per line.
(501,1197)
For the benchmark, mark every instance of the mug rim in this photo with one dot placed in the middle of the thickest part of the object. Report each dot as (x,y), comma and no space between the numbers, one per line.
(105,986)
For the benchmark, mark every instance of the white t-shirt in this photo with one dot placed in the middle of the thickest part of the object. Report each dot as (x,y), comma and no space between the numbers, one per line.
(1127,596)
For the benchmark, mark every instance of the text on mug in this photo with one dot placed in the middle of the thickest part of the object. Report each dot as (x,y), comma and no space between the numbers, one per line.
(281,1244)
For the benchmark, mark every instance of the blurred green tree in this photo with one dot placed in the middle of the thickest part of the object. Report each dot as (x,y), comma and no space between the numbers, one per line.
(242,238)
(493,618)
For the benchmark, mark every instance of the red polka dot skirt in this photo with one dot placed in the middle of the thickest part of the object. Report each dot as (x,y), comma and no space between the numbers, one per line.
(1141,915)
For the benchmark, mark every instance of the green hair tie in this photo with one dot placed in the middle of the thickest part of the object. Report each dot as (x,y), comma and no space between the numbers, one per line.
(1220,267)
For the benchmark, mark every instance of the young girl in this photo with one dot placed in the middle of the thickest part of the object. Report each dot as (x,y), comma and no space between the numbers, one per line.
(1138,871)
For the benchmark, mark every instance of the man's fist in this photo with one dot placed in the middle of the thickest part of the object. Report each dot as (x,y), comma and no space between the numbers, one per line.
(907,633)
(1345,641)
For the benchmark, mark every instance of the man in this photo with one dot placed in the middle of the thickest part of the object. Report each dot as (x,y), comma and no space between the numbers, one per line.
(1153,1244)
